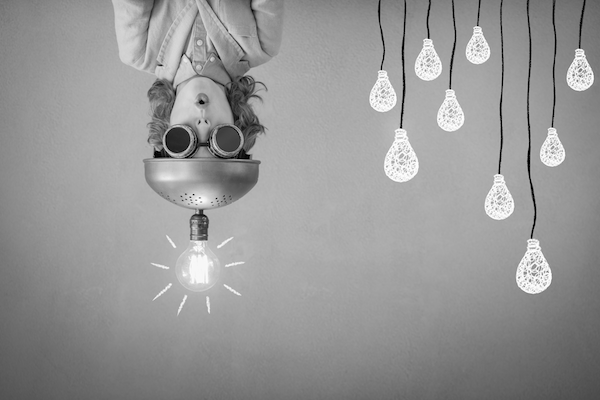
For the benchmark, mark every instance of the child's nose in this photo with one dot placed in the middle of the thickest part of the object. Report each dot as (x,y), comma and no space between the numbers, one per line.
(203,126)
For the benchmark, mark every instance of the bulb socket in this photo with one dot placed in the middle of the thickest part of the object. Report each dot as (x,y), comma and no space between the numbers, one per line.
(199,226)
(400,133)
(533,244)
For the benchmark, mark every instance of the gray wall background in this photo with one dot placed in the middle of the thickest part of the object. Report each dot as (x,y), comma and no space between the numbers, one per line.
(353,287)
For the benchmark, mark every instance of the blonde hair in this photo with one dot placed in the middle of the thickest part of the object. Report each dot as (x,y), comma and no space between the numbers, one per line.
(239,92)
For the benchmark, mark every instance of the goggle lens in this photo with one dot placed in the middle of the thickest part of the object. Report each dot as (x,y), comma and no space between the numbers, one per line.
(228,139)
(177,140)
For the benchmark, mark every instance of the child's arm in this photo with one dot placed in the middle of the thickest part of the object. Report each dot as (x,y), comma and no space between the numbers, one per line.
(268,15)
(141,26)
(132,19)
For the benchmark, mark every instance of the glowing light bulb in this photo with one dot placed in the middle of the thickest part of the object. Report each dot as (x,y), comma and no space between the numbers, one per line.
(499,202)
(428,65)
(450,116)
(533,274)
(478,50)
(552,152)
(580,75)
(401,163)
(383,96)
(197,268)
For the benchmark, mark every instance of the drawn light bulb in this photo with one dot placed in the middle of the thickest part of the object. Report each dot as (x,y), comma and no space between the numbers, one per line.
(533,273)
(478,49)
(450,116)
(552,152)
(428,65)
(383,96)
(499,202)
(401,163)
(197,268)
(580,75)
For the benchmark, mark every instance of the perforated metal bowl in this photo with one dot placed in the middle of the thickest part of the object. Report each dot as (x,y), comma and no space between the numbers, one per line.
(201,183)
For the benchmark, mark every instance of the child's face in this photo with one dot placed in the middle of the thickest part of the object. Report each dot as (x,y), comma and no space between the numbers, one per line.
(201,104)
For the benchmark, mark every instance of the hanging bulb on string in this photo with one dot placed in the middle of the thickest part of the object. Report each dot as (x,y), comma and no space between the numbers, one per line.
(478,49)
(383,96)
(580,75)
(499,203)
(450,116)
(401,163)
(533,273)
(552,152)
(428,65)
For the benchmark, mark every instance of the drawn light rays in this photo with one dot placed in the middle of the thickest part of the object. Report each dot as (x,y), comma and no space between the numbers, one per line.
(185,297)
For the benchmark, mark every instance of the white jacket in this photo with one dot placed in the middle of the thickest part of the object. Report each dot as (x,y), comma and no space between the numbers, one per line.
(221,39)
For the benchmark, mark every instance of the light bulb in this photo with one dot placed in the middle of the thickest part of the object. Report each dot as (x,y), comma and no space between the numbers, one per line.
(383,96)
(552,152)
(533,274)
(478,49)
(580,75)
(428,65)
(450,116)
(197,268)
(499,202)
(401,163)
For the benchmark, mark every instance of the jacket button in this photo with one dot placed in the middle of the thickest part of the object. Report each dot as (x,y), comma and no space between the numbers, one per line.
(199,42)
(212,59)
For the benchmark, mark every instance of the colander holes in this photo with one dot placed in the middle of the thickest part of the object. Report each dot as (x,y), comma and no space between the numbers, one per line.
(167,197)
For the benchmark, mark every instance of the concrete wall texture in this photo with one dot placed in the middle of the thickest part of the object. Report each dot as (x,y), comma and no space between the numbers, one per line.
(353,287)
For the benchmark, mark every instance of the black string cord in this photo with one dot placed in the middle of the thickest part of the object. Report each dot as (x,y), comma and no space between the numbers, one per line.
(501,90)
(529,127)
(453,47)
(478,11)
(581,23)
(403,71)
(428,11)
(381,31)
(554,62)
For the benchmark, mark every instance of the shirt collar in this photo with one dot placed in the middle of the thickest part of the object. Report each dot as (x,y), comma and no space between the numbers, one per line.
(213,68)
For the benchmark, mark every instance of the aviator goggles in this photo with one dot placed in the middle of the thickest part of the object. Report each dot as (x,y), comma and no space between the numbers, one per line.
(224,141)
